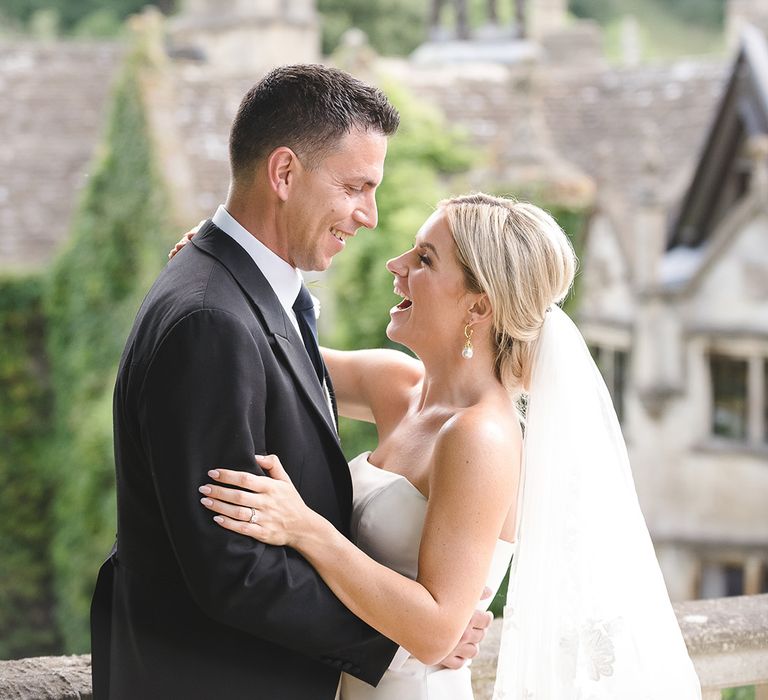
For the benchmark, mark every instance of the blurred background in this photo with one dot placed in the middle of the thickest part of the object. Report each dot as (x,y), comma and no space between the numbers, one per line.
(642,125)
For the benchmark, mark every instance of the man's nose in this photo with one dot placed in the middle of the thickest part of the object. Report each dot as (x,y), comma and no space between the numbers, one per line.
(368,214)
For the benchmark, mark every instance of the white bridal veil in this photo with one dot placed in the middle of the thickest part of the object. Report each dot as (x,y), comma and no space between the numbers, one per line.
(588,616)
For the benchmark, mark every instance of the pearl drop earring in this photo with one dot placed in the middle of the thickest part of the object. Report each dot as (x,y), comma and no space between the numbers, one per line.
(468,350)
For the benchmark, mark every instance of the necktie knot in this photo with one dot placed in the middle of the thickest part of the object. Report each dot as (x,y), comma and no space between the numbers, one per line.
(304,301)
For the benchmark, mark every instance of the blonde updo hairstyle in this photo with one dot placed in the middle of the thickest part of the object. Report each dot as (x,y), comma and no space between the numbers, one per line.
(519,256)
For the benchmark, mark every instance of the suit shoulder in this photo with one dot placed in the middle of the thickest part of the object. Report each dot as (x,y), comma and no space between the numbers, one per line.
(183,296)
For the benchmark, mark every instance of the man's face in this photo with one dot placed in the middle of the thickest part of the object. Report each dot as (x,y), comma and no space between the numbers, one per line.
(326,205)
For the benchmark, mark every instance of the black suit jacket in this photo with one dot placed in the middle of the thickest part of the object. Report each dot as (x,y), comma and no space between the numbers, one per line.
(214,372)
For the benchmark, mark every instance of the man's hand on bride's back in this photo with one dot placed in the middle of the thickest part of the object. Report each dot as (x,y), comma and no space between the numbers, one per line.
(469,644)
(186,238)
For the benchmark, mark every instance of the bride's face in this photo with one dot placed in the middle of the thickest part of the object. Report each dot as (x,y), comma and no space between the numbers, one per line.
(436,303)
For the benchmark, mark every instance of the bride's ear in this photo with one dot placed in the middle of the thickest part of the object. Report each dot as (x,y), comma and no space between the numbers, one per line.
(480,310)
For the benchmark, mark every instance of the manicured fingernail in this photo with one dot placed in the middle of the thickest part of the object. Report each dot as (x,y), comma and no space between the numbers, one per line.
(206,501)
(205,489)
(214,473)
(218,519)
(259,456)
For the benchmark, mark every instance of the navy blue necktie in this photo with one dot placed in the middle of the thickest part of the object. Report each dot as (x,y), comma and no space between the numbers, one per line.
(304,308)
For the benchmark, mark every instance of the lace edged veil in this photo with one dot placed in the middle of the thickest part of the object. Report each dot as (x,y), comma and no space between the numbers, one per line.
(587,616)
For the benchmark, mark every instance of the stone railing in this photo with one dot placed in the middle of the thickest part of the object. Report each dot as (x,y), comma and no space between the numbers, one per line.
(726,637)
(728,642)
(46,678)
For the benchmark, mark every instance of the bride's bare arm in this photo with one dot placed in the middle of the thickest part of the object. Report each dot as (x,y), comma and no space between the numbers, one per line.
(472,487)
(372,385)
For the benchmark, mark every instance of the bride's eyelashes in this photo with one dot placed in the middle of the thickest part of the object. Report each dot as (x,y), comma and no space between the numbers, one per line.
(424,260)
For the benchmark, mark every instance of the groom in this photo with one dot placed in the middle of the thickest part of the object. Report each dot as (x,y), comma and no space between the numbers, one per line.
(221,364)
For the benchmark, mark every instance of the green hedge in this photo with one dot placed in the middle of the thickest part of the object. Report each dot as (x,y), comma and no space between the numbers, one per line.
(26,625)
(118,244)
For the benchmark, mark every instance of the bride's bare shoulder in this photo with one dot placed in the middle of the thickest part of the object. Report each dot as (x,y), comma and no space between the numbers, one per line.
(487,435)
(476,465)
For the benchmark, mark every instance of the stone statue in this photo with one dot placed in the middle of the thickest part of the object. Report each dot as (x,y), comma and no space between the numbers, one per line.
(462,25)
(436,31)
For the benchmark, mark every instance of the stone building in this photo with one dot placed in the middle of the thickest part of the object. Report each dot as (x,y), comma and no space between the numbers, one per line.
(675,305)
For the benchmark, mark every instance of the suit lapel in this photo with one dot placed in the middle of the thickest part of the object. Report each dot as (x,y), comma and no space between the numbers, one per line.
(332,396)
(215,242)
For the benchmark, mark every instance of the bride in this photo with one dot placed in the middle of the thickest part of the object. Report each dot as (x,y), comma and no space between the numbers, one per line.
(452,484)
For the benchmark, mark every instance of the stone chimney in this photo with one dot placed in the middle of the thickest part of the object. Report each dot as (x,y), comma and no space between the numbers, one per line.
(246,37)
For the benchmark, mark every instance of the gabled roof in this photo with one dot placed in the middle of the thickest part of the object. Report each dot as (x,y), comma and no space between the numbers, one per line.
(722,175)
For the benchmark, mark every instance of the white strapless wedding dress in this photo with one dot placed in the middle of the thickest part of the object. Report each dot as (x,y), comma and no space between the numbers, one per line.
(387,519)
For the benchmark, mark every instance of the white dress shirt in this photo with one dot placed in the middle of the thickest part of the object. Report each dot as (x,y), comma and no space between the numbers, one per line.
(284,279)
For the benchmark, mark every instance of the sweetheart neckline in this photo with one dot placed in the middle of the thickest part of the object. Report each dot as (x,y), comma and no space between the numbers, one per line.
(402,476)
(407,481)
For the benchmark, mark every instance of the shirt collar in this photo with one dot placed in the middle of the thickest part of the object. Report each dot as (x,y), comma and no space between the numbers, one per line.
(284,279)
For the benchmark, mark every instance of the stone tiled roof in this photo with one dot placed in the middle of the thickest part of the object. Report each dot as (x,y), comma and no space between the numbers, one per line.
(604,122)
(51,117)
(599,119)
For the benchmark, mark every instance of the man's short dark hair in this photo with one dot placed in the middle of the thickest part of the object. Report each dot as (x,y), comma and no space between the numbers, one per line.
(307,108)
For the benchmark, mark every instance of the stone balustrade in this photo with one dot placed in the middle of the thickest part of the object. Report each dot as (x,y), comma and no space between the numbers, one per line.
(726,637)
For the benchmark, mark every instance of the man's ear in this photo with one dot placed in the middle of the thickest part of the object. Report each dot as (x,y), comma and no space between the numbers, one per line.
(281,169)
(480,310)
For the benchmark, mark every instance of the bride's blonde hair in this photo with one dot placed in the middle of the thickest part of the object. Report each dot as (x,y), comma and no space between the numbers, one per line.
(519,256)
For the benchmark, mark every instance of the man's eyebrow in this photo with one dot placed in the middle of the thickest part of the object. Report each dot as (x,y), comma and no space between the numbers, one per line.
(363,180)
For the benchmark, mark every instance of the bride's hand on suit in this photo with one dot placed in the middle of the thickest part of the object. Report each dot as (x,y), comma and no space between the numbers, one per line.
(186,238)
(266,508)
